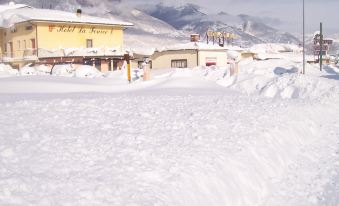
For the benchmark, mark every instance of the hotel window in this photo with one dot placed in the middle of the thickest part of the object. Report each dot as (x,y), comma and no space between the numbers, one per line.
(25,45)
(19,45)
(29,27)
(89,43)
(179,63)
(13,29)
(10,49)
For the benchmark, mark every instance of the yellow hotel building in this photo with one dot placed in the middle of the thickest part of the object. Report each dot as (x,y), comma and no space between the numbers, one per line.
(52,37)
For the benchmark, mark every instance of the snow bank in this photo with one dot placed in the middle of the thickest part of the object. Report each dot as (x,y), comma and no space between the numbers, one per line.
(86,71)
(64,70)
(272,51)
(43,69)
(282,79)
(28,70)
(275,48)
(234,55)
(276,78)
(265,56)
(35,70)
(7,71)
(79,71)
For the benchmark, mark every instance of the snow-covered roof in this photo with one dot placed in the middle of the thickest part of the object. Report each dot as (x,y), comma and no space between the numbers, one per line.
(16,14)
(12,6)
(191,46)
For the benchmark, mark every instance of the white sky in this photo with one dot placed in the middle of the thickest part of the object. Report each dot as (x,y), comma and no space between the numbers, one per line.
(288,11)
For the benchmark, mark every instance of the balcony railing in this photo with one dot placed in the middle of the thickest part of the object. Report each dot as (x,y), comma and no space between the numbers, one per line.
(81,52)
(35,54)
(22,55)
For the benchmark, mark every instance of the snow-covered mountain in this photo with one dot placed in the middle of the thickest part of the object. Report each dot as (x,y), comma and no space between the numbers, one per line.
(159,24)
(190,18)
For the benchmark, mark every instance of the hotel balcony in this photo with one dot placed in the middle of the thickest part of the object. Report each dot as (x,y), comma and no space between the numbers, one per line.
(19,56)
(29,55)
(80,52)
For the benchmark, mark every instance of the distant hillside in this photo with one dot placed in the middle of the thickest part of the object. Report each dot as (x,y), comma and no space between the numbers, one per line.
(156,25)
(190,18)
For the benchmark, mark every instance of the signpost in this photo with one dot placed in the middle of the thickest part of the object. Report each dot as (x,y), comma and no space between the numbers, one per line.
(321,46)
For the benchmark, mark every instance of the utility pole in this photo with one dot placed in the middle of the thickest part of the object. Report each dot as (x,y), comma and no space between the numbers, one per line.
(127,59)
(303,37)
(321,46)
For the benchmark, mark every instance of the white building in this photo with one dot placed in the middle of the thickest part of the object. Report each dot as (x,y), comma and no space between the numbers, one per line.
(189,55)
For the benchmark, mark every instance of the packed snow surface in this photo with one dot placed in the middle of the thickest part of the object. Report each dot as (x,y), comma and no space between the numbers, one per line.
(267,136)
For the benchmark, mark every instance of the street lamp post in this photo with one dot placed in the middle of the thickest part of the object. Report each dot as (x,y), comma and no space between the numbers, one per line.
(303,37)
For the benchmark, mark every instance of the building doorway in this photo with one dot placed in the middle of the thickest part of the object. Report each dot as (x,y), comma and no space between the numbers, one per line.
(96,62)
(11,52)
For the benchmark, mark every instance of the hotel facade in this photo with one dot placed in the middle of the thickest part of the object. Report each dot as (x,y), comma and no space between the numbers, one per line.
(43,36)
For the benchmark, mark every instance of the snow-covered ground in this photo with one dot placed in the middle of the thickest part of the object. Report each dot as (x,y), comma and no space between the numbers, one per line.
(267,137)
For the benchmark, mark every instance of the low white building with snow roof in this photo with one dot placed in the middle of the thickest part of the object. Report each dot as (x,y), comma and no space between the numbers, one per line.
(189,55)
(51,37)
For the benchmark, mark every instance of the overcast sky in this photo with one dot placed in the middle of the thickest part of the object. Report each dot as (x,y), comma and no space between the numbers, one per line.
(288,11)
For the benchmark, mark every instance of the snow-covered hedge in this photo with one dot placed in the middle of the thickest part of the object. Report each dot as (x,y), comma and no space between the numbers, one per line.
(28,70)
(86,71)
(35,70)
(65,70)
(274,48)
(7,70)
(79,71)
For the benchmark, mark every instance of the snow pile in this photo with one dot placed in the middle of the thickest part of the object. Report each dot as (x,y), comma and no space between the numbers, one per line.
(272,51)
(79,71)
(282,79)
(35,70)
(43,69)
(276,78)
(279,78)
(297,86)
(7,71)
(214,73)
(86,71)
(275,48)
(233,55)
(64,70)
(28,70)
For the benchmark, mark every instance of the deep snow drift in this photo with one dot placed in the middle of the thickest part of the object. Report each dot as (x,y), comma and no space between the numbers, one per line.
(269,136)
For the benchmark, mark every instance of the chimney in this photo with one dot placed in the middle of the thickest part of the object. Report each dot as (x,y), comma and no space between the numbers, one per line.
(79,12)
(195,37)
